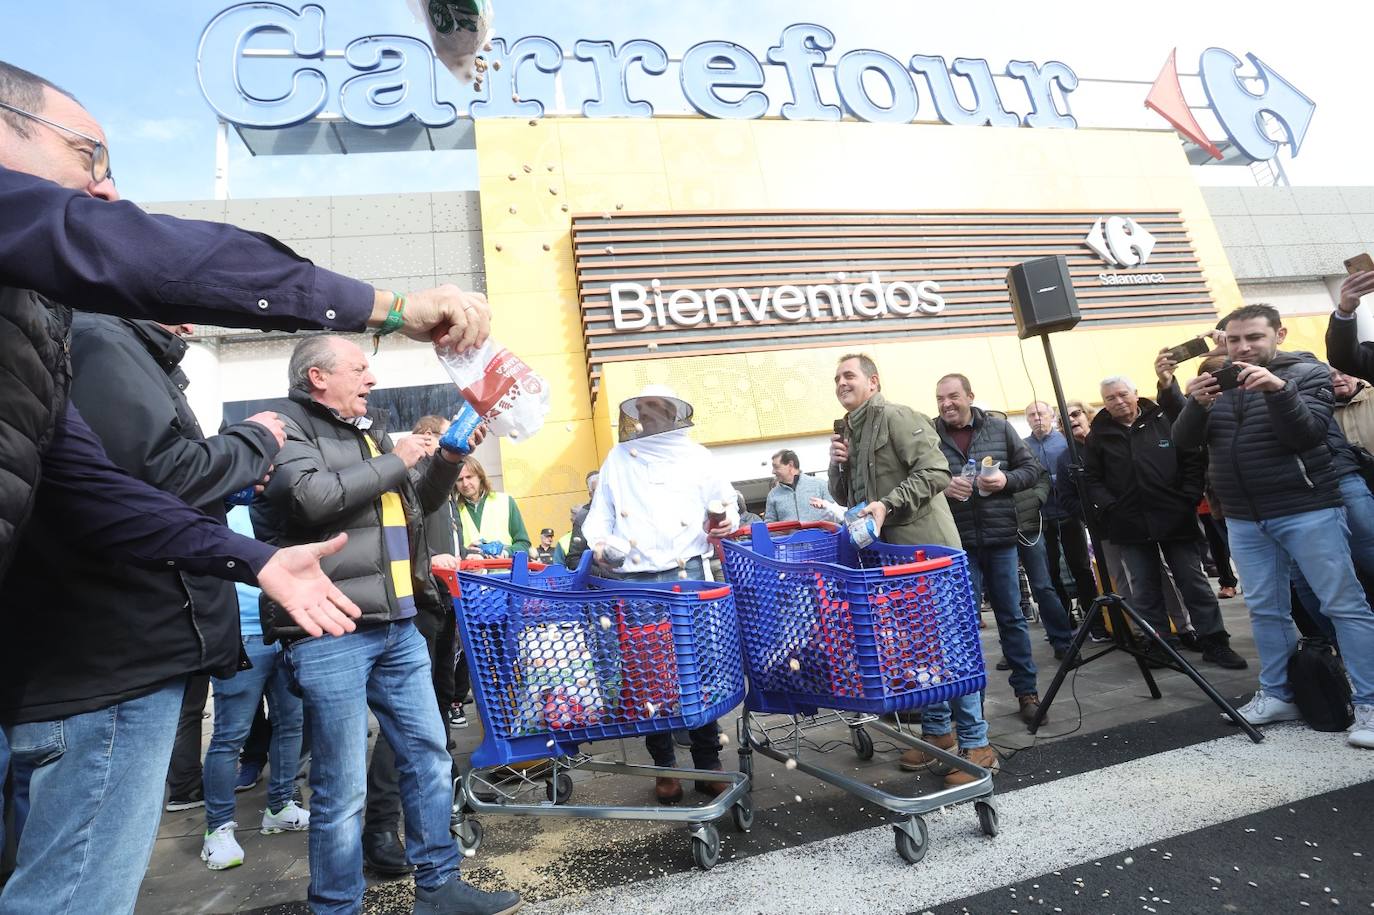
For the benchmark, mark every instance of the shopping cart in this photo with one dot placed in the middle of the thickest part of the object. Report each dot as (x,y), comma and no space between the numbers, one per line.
(560,659)
(871,632)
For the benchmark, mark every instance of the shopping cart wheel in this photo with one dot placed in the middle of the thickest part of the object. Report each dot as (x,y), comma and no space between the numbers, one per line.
(559,789)
(743,813)
(912,839)
(863,744)
(987,817)
(746,765)
(706,847)
(468,832)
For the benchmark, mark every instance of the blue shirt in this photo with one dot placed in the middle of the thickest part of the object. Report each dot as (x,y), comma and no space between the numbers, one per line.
(250,621)
(1047,452)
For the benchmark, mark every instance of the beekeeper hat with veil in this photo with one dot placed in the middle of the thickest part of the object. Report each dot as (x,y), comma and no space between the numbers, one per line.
(655,411)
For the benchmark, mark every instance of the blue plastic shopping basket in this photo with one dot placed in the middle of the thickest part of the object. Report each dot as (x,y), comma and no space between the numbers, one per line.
(824,625)
(561,658)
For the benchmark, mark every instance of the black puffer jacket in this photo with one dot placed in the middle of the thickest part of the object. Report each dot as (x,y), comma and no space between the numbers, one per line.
(987,521)
(327,482)
(1144,488)
(34,352)
(1269,453)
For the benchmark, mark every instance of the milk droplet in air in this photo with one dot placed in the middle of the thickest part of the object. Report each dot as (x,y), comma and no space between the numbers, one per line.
(513,176)
(653,344)
(634,453)
(610,249)
(724,739)
(527,169)
(605,622)
(650,708)
(469,853)
(794,664)
(791,764)
(546,246)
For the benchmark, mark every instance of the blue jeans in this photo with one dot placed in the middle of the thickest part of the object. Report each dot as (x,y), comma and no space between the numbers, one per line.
(968,720)
(1318,543)
(1055,618)
(385,668)
(995,568)
(236,702)
(92,787)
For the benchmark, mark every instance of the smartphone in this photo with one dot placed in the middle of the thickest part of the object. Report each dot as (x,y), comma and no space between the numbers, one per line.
(1360,263)
(1198,346)
(1228,377)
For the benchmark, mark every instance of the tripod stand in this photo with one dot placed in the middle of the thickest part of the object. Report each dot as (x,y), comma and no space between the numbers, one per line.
(1118,610)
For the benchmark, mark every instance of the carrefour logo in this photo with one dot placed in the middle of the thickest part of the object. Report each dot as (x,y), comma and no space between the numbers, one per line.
(1122,242)
(1239,111)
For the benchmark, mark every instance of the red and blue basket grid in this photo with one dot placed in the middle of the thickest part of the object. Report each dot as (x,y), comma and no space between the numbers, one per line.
(884,629)
(562,658)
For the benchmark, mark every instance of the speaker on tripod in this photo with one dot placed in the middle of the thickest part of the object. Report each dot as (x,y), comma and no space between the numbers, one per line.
(1042,296)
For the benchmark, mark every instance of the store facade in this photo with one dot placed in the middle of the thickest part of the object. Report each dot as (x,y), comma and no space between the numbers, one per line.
(736,257)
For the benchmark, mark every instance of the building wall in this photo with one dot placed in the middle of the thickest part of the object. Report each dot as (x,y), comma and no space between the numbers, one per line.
(535,175)
(1287,245)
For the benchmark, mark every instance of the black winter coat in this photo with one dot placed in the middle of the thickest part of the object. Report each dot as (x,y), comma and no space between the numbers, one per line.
(327,482)
(987,521)
(1346,352)
(1269,452)
(1144,487)
(110,631)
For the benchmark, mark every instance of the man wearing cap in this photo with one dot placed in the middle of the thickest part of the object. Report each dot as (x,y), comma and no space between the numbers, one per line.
(648,517)
(544,551)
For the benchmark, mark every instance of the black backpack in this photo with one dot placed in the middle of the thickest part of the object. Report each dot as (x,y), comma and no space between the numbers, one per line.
(1320,688)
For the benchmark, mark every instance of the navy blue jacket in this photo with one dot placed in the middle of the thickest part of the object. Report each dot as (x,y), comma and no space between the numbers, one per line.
(1047,452)
(61,248)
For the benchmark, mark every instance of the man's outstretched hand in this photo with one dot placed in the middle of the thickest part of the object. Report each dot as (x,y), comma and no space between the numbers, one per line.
(293,578)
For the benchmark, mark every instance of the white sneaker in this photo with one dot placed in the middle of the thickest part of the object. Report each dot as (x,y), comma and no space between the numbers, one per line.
(290,818)
(221,850)
(1361,733)
(1266,709)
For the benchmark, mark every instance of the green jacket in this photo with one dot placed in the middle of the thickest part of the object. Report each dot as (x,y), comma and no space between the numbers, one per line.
(899,457)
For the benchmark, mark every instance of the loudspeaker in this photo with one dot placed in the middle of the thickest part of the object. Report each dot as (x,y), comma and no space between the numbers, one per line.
(1042,296)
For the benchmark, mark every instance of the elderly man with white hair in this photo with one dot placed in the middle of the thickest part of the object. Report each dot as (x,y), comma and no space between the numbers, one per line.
(1146,491)
(649,519)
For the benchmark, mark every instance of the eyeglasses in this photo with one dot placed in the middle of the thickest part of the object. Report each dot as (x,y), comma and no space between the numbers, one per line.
(100,153)
(1074,414)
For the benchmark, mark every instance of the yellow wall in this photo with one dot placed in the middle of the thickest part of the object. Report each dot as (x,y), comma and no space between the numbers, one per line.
(536,174)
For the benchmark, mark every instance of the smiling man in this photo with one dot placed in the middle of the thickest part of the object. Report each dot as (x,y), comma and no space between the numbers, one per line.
(888,460)
(340,471)
(1273,466)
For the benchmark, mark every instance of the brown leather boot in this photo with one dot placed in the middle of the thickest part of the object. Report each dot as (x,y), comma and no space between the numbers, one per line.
(712,789)
(667,790)
(979,756)
(914,760)
(1030,705)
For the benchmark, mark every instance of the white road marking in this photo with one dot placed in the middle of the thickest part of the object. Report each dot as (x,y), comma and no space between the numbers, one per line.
(1066,822)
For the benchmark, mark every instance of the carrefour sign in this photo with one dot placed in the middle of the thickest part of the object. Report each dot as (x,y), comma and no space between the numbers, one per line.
(392,78)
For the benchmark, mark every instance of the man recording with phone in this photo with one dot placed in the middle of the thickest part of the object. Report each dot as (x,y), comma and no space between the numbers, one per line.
(1344,350)
(1272,464)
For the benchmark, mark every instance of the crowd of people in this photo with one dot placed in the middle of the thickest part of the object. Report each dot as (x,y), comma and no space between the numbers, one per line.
(290,558)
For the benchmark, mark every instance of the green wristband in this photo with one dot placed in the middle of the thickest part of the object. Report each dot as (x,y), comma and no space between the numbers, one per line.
(393,321)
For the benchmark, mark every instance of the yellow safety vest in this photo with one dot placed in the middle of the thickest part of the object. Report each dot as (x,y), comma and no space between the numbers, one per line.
(495,521)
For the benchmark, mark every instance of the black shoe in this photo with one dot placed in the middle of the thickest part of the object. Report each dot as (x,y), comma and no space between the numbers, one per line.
(1004,664)
(191,799)
(457,718)
(459,898)
(1157,659)
(1190,641)
(384,855)
(1216,649)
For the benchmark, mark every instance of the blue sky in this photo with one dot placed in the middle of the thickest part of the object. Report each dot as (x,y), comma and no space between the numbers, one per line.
(133,66)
